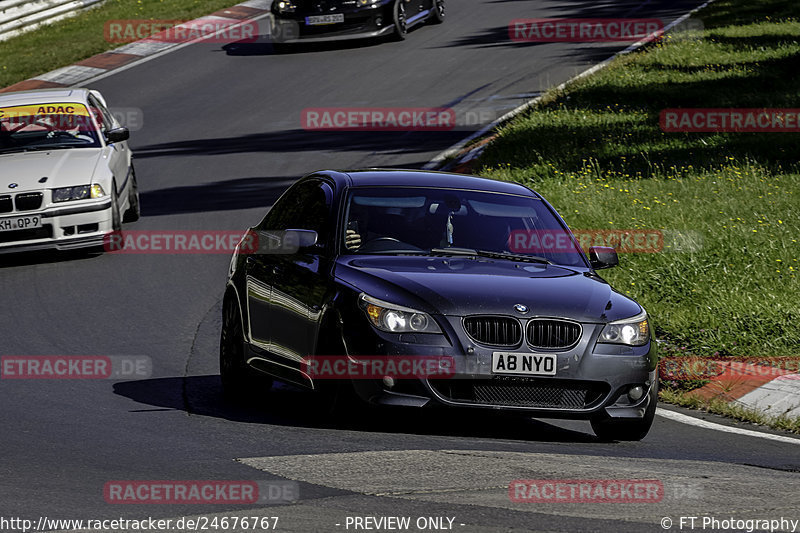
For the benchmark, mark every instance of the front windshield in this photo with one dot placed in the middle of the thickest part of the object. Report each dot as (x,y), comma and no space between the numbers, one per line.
(46,126)
(417,220)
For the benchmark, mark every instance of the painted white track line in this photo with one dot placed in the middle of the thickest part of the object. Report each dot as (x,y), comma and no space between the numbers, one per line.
(692,421)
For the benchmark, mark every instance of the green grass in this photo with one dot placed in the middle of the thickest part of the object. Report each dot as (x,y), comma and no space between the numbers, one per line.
(79,37)
(596,151)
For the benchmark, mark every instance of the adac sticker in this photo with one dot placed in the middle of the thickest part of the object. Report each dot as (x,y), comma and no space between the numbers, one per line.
(70,108)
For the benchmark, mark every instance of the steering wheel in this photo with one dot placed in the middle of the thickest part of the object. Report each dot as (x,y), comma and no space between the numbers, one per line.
(59,135)
(385,244)
(381,239)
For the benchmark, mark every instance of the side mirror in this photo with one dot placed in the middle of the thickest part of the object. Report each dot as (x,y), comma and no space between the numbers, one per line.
(117,135)
(603,257)
(296,240)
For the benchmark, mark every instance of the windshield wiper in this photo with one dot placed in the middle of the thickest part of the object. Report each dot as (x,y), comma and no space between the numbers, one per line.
(491,254)
(515,257)
(454,251)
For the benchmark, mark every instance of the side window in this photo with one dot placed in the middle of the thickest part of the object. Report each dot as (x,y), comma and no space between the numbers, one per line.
(101,114)
(305,206)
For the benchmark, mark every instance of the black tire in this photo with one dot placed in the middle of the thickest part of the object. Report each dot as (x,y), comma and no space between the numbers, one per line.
(134,210)
(609,429)
(400,21)
(116,219)
(238,381)
(439,11)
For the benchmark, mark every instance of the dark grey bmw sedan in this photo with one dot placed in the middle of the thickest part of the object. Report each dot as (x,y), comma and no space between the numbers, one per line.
(405,266)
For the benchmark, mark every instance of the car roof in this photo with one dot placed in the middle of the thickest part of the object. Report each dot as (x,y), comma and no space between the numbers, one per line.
(44,96)
(423,178)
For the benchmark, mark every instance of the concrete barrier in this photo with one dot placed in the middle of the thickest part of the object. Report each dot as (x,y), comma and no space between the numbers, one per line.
(20,16)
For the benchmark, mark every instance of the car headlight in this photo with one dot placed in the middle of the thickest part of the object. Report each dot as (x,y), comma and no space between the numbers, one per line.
(633,331)
(97,191)
(81,192)
(286,7)
(362,3)
(396,319)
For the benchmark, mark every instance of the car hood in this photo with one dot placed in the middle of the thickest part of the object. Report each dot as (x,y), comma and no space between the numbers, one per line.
(74,166)
(462,286)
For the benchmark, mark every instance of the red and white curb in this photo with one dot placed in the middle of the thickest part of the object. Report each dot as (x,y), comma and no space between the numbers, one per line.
(126,56)
(772,391)
(781,396)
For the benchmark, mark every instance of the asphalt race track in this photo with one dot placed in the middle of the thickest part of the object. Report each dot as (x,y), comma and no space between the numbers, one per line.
(222,138)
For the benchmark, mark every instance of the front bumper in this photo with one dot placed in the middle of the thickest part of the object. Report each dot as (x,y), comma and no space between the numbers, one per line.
(66,226)
(359,23)
(591,379)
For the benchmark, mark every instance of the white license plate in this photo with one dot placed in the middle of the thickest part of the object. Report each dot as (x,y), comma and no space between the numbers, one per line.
(533,364)
(319,20)
(18,223)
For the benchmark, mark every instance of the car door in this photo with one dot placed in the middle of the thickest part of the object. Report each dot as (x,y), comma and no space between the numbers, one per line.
(118,154)
(298,280)
(260,268)
(285,291)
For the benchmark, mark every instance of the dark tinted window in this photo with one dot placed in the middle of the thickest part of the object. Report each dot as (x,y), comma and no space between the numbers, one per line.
(306,205)
(416,219)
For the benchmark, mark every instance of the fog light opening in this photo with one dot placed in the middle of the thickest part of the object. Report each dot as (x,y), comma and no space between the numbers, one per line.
(388,382)
(635,393)
(378,21)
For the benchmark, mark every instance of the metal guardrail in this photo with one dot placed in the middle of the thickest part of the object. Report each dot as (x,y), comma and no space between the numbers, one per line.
(19,16)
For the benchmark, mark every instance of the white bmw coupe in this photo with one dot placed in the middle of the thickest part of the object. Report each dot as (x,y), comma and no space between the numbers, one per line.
(66,174)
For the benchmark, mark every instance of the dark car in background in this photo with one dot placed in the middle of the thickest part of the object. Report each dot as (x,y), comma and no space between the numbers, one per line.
(318,20)
(419,264)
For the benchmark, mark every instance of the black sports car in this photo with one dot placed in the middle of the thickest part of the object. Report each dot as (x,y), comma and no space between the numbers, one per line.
(394,263)
(313,20)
